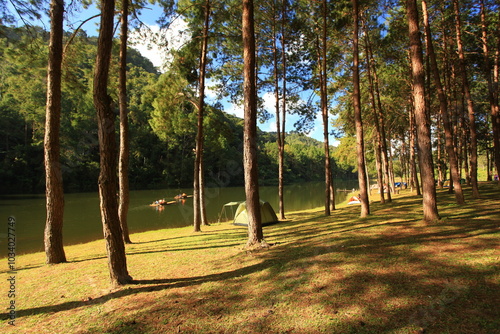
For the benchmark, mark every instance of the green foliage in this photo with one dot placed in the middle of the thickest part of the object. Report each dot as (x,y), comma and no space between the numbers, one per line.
(304,159)
(162,119)
(345,153)
(162,107)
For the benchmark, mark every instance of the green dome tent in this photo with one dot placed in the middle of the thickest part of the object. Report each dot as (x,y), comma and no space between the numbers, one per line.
(266,210)
(227,212)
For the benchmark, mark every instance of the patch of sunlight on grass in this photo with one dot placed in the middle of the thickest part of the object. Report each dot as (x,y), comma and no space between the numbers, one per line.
(388,273)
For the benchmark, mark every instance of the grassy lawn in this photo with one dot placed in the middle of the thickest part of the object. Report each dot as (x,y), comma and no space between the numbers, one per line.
(388,273)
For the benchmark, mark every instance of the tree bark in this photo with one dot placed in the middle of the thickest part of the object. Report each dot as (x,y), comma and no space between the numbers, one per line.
(492,95)
(379,114)
(443,108)
(495,116)
(403,158)
(203,206)
(53,236)
(124,133)
(279,141)
(108,182)
(255,232)
(390,163)
(441,166)
(360,144)
(470,103)
(387,168)
(378,144)
(413,165)
(198,169)
(421,118)
(324,111)
(281,148)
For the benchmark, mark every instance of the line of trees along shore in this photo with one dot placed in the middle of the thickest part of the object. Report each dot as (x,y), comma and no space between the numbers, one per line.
(375,65)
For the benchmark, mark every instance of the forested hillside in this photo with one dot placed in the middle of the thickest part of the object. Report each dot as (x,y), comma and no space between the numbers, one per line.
(161,144)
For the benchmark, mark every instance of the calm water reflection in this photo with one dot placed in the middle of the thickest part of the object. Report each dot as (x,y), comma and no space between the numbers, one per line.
(82,222)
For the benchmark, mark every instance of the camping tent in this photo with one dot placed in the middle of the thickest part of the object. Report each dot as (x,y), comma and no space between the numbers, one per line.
(227,211)
(266,210)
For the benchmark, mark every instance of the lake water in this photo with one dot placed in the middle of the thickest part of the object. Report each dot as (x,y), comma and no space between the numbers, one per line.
(82,221)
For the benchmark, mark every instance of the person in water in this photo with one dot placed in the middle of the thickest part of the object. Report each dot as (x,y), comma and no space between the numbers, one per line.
(160,202)
(180,196)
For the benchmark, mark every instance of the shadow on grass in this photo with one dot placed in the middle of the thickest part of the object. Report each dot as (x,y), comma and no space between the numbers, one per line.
(361,275)
(151,285)
(194,235)
(365,251)
(172,249)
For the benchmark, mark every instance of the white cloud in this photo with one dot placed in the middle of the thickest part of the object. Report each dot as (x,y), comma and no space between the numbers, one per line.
(155,43)
(147,48)
(236,110)
(270,102)
(271,126)
(210,90)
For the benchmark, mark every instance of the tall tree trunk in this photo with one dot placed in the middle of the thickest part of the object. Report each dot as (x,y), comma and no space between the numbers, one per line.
(378,165)
(197,193)
(203,206)
(390,160)
(492,95)
(387,168)
(324,110)
(255,232)
(332,193)
(443,108)
(124,133)
(459,129)
(108,181)
(53,237)
(470,103)
(196,186)
(380,118)
(281,148)
(379,121)
(458,123)
(378,144)
(488,165)
(404,159)
(495,117)
(421,119)
(279,137)
(414,183)
(360,144)
(465,152)
(450,91)
(439,156)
